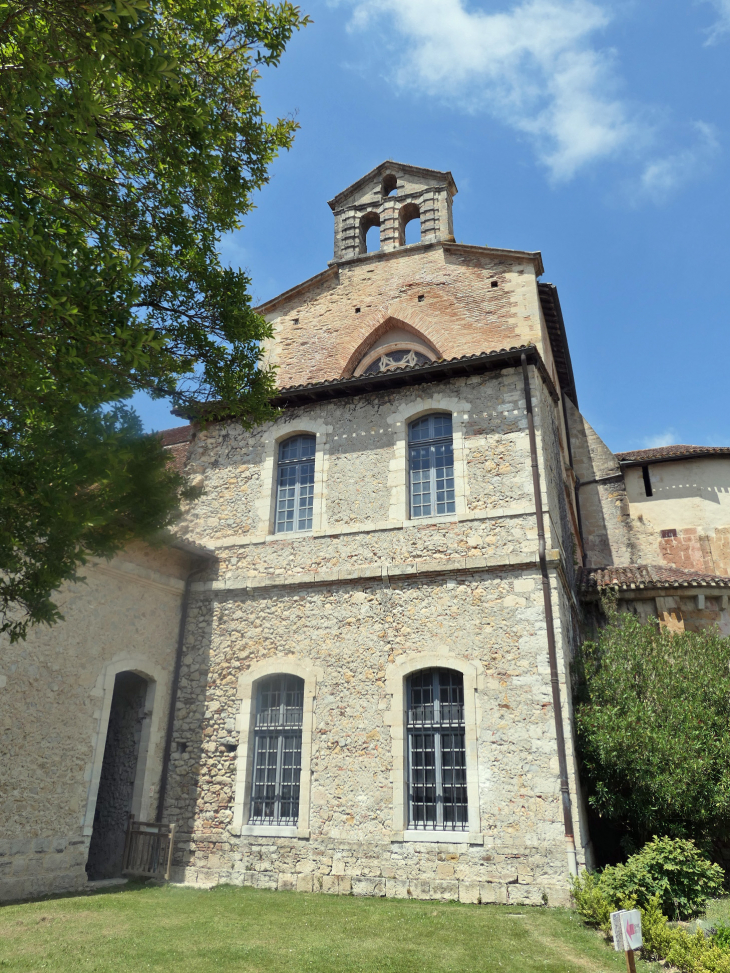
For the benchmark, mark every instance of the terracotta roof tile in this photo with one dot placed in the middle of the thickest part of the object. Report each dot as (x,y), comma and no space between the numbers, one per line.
(638,576)
(180,434)
(670,452)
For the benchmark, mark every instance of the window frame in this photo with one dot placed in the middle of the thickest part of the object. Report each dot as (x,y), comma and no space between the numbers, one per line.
(245,727)
(440,727)
(432,444)
(396,719)
(297,464)
(280,733)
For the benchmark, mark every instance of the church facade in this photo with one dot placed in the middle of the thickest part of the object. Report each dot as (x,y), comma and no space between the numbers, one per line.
(350,671)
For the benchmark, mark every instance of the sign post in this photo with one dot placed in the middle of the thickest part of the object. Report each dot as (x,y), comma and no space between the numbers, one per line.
(626,929)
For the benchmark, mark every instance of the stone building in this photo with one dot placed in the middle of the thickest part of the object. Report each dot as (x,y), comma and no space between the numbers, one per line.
(366,622)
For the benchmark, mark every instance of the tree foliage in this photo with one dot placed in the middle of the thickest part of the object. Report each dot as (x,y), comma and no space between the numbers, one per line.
(132,138)
(83,484)
(652,715)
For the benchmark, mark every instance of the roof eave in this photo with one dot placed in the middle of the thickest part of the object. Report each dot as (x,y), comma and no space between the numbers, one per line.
(626,463)
(301,395)
(553,314)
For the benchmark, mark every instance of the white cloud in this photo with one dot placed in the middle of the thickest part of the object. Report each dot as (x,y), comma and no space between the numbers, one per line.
(666,438)
(662,177)
(535,65)
(721,27)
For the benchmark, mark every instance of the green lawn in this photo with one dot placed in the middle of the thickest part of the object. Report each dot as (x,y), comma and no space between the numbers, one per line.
(251,931)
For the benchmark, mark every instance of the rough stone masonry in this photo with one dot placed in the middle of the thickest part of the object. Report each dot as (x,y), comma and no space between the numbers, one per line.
(310,595)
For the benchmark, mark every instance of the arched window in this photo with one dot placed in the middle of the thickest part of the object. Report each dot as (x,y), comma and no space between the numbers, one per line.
(277,761)
(369,241)
(390,185)
(437,797)
(404,358)
(295,484)
(431,460)
(407,215)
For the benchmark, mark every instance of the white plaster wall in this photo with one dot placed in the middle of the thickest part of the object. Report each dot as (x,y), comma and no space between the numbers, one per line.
(688,493)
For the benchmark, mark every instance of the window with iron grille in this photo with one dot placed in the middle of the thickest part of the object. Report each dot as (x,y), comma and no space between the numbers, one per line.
(436,751)
(295,484)
(277,760)
(431,460)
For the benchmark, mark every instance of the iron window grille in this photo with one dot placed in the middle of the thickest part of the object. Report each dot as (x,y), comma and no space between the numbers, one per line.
(437,798)
(277,762)
(295,484)
(431,461)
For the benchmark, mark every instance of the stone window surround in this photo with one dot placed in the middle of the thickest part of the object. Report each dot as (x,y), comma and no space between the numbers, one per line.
(398,472)
(246,692)
(395,681)
(398,468)
(148,770)
(266,504)
(378,350)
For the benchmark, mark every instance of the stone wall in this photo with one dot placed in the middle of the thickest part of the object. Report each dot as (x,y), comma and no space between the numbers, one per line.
(355,633)
(686,521)
(358,442)
(55,697)
(609,535)
(355,602)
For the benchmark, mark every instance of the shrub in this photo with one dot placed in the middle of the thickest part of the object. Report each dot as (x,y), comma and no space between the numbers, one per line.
(721,937)
(687,952)
(673,869)
(652,714)
(591,900)
(669,871)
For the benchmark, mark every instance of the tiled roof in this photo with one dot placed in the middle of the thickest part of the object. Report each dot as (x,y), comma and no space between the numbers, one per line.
(664,453)
(410,375)
(638,576)
(180,434)
(177,442)
(337,388)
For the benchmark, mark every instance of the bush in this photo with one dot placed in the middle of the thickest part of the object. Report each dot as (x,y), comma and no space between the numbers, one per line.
(667,875)
(652,713)
(721,937)
(674,870)
(671,871)
(685,951)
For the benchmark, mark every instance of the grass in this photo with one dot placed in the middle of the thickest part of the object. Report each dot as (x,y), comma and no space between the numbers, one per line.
(254,931)
(718,911)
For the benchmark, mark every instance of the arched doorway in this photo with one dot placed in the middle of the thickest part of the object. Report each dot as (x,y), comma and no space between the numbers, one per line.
(119,773)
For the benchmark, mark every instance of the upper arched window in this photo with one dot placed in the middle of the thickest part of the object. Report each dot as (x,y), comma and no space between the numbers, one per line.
(390,185)
(437,796)
(277,761)
(431,460)
(369,235)
(408,230)
(396,359)
(295,484)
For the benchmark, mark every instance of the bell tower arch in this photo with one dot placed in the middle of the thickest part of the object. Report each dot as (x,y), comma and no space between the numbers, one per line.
(391,196)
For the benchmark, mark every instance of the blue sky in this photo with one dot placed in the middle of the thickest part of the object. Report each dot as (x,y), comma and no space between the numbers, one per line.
(595,132)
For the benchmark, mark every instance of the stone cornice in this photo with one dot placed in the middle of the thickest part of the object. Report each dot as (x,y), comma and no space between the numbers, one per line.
(379,572)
